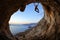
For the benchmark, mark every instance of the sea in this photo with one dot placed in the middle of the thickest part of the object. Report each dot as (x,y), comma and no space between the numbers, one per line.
(17,28)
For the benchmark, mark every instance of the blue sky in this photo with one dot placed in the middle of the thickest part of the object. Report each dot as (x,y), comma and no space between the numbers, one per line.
(28,16)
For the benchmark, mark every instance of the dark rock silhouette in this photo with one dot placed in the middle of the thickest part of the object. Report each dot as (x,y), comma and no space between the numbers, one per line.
(49,25)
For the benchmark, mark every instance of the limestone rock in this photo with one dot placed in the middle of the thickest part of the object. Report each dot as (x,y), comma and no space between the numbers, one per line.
(49,25)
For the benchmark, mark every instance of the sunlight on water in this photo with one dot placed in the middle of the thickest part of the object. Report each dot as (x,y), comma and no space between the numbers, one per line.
(16,28)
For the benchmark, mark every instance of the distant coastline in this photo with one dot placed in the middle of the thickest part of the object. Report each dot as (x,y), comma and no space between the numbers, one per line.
(17,28)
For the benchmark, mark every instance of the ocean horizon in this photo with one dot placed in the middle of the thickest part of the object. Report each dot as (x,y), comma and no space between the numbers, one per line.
(17,28)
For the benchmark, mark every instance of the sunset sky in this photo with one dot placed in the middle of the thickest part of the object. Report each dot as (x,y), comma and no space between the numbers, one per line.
(28,16)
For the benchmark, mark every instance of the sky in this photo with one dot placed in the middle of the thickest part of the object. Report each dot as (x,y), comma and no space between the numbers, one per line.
(28,16)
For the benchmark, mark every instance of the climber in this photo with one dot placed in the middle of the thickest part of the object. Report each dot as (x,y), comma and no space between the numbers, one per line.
(36,9)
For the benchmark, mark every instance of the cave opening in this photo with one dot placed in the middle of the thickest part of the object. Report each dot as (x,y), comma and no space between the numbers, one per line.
(51,20)
(28,17)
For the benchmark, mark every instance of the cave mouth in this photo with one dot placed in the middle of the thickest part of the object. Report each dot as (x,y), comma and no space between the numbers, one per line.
(28,17)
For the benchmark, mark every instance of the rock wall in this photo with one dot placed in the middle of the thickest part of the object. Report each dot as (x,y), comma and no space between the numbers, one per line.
(48,28)
(49,25)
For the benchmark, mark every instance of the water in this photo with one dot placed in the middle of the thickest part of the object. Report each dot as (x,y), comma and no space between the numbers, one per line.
(16,28)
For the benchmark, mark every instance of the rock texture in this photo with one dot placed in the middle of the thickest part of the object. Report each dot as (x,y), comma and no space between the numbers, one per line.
(47,29)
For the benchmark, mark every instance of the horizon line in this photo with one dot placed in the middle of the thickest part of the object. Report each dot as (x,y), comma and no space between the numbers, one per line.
(19,23)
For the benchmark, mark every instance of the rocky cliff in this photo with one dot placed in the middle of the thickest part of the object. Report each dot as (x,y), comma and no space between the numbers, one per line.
(47,29)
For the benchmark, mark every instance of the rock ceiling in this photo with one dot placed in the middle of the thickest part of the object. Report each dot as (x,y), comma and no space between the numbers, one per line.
(51,19)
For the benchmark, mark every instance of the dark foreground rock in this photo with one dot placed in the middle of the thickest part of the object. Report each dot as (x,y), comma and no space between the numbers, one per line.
(47,29)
